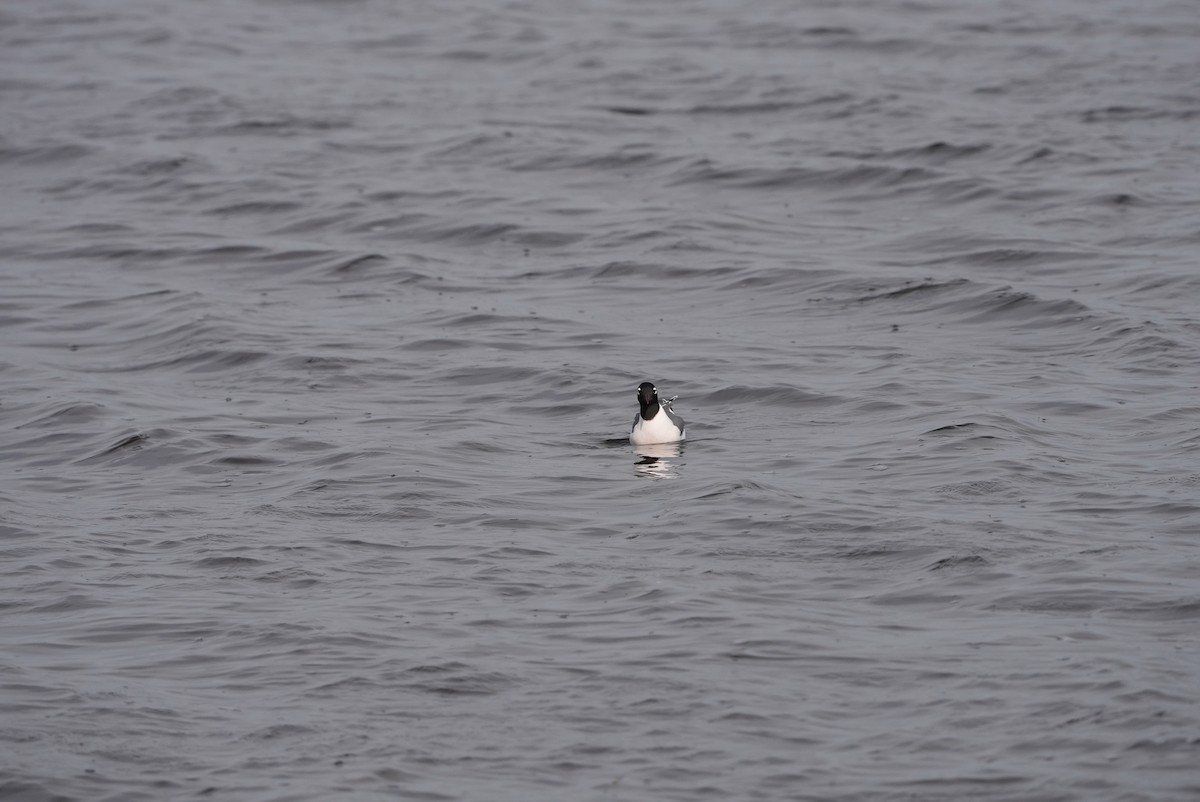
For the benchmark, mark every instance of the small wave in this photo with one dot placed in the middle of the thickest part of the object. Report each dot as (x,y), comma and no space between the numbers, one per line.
(132,441)
(970,302)
(704,171)
(933,153)
(155,447)
(654,272)
(1004,257)
(778,395)
(778,278)
(72,413)
(42,155)
(231,561)
(279,125)
(69,604)
(245,461)
(964,561)
(256,208)
(627,157)
(169,165)
(1186,608)
(452,679)
(1138,114)
(439,345)
(925,289)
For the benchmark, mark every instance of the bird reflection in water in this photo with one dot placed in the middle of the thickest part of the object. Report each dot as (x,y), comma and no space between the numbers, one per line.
(655,460)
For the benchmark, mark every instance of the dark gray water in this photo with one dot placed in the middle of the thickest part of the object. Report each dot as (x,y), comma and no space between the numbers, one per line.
(319,322)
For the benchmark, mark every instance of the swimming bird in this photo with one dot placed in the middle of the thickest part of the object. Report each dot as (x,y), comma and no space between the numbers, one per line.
(655,423)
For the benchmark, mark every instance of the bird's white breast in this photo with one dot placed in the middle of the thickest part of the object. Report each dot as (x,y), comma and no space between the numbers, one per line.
(659,429)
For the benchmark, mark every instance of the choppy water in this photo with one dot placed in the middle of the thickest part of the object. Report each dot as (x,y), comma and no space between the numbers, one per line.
(321,323)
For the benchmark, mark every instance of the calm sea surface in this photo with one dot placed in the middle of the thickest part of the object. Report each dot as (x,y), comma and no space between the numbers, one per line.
(320,324)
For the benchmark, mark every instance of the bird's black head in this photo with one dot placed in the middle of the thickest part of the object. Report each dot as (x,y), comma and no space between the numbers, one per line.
(648,399)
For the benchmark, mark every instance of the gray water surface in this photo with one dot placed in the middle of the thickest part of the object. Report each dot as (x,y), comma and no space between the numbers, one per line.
(320,324)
